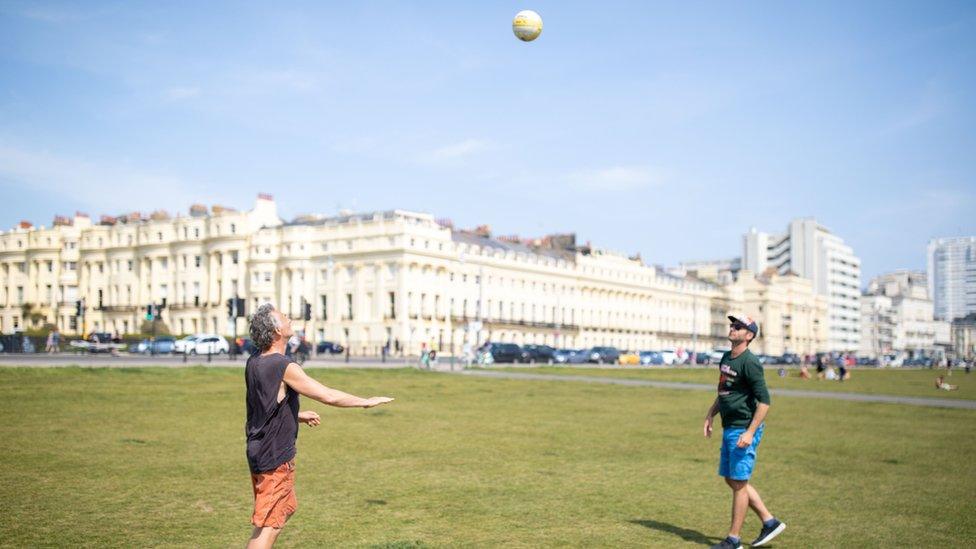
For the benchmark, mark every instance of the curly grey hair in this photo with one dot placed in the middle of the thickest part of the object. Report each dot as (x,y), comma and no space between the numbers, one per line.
(263,325)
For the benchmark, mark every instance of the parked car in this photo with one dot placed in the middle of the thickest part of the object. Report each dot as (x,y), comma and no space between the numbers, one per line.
(703,358)
(185,344)
(791,358)
(628,358)
(329,347)
(670,356)
(569,356)
(604,355)
(579,356)
(537,353)
(651,358)
(210,345)
(101,342)
(493,353)
(161,346)
(717,354)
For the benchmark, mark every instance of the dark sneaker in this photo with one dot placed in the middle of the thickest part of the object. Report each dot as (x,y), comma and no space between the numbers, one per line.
(768,533)
(726,544)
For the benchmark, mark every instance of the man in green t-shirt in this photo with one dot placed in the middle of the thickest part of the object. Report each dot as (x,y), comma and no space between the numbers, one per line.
(743,401)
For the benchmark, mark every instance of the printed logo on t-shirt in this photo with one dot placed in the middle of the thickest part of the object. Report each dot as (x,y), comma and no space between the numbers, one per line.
(726,379)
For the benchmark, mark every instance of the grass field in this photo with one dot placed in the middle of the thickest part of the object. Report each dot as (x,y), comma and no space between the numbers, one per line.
(155,457)
(915,383)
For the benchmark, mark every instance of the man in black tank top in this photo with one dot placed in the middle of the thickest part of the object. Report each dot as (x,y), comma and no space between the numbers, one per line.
(274,383)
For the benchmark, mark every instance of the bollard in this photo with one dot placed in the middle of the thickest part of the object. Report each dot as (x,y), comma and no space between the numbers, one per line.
(184,356)
(209,356)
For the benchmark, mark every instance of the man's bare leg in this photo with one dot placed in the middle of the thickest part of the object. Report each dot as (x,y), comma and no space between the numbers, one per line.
(756,503)
(263,537)
(740,503)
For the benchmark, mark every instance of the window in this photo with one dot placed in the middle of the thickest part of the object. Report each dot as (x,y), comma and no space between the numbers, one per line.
(392,305)
(50,266)
(129,265)
(349,307)
(233,256)
(233,230)
(267,276)
(196,232)
(196,261)
(325,306)
(159,236)
(164,263)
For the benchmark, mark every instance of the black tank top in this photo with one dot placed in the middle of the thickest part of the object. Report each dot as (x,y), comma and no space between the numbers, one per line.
(272,426)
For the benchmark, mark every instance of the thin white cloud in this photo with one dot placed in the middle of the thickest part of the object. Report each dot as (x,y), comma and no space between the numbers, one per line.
(98,187)
(931,103)
(264,81)
(460,149)
(615,178)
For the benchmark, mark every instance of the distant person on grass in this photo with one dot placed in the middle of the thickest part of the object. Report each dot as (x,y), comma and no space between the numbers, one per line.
(273,385)
(941,384)
(743,401)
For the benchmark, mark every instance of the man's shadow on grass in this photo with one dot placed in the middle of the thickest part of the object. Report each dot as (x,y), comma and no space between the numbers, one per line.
(693,536)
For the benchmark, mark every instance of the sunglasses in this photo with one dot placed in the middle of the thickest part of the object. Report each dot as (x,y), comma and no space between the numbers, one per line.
(738,326)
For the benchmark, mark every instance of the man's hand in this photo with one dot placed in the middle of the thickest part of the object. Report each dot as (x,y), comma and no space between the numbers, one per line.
(376,401)
(309,417)
(745,439)
(708,426)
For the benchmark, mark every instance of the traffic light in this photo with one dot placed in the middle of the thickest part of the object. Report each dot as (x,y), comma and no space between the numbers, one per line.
(150,312)
(306,310)
(235,307)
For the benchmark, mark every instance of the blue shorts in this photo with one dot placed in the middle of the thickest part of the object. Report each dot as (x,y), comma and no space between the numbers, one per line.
(737,463)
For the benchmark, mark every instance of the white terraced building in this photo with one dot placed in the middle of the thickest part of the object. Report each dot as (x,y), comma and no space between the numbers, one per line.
(811,251)
(392,276)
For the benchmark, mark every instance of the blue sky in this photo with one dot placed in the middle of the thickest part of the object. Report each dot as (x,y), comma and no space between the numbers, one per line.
(662,128)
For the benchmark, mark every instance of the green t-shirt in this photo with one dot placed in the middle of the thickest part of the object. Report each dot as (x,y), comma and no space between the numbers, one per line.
(741,385)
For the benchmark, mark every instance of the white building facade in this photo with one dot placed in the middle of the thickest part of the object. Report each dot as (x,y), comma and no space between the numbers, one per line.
(392,277)
(952,276)
(811,251)
(897,317)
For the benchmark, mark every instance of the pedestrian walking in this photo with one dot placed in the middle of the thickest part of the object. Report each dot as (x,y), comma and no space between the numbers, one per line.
(743,402)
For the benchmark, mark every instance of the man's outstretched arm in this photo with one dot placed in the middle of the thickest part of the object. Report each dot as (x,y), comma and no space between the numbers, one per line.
(297,379)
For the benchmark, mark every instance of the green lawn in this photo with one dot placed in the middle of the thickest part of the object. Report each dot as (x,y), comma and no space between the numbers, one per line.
(155,457)
(915,383)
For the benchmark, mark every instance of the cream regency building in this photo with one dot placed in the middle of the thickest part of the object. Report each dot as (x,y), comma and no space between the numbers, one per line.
(791,314)
(394,277)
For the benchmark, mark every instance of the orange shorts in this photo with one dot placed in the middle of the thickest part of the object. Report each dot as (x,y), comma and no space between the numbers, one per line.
(274,496)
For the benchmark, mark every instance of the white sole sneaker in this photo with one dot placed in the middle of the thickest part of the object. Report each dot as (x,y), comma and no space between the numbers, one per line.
(769,537)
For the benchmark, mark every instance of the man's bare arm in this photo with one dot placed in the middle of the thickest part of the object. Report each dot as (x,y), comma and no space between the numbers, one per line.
(745,439)
(297,379)
(713,409)
(759,417)
(707,429)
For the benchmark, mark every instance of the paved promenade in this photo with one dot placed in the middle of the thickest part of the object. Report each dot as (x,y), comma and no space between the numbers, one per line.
(857,397)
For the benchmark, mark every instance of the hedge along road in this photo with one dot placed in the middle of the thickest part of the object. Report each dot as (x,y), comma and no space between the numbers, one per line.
(857,397)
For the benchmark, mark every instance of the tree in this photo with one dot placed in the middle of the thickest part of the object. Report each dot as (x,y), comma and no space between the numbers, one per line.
(161,327)
(32,315)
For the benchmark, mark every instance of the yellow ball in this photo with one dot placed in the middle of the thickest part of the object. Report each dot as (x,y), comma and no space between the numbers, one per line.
(527,25)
